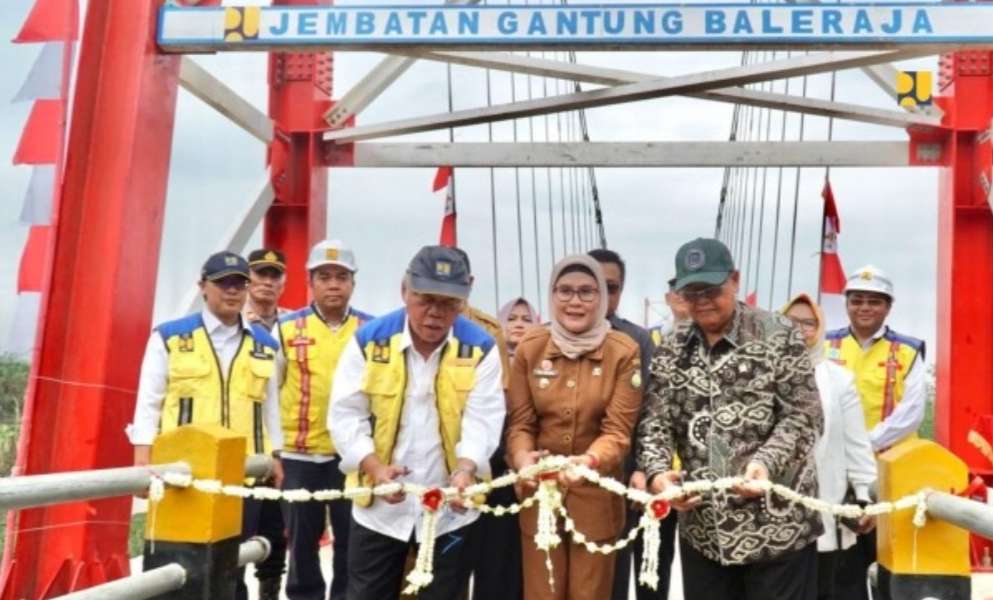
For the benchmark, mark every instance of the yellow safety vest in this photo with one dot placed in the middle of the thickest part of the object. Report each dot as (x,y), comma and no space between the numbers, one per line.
(880,370)
(384,381)
(196,390)
(312,351)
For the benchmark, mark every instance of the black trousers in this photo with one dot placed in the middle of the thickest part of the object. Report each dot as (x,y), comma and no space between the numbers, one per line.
(827,571)
(792,576)
(497,560)
(306,523)
(264,518)
(622,568)
(376,561)
(853,564)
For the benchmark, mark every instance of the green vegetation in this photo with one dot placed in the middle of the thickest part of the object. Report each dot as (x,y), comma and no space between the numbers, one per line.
(13,379)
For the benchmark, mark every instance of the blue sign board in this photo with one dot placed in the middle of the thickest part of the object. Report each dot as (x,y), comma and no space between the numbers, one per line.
(590,27)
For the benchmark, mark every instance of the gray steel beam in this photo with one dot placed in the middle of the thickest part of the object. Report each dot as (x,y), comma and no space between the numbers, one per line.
(140,586)
(686,84)
(30,491)
(635,154)
(253,550)
(605,76)
(373,84)
(199,82)
(968,514)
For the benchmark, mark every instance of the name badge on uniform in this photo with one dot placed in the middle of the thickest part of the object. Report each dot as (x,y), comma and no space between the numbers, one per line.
(546,370)
(186,342)
(381,353)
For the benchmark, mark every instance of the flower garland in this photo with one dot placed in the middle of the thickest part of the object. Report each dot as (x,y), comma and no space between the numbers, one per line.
(548,497)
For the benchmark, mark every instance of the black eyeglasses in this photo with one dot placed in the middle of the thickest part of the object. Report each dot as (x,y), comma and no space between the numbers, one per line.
(707,293)
(564,293)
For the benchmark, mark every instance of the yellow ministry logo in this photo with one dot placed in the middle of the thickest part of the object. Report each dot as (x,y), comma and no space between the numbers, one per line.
(913,88)
(241,23)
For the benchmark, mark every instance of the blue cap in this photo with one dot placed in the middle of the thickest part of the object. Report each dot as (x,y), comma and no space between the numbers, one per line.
(223,264)
(440,270)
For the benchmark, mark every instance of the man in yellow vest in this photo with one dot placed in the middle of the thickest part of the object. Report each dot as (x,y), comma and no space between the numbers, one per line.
(888,366)
(313,339)
(212,367)
(417,398)
(889,375)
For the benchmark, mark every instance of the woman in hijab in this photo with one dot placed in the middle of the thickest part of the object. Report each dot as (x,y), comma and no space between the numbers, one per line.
(516,317)
(575,390)
(843,454)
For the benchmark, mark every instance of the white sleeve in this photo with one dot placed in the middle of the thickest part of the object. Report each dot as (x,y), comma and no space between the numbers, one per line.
(860,462)
(270,409)
(485,410)
(349,415)
(151,392)
(908,414)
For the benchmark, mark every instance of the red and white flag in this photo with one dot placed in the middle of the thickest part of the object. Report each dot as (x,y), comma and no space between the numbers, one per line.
(443,180)
(832,284)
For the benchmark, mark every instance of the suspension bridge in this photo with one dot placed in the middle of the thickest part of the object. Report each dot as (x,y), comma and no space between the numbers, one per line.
(529,148)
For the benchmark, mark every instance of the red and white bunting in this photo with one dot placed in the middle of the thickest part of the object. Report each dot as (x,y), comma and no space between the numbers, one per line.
(39,143)
(50,21)
(37,209)
(44,80)
(21,336)
(832,284)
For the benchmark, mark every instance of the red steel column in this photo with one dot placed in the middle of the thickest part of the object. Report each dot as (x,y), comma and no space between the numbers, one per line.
(965,259)
(98,299)
(299,94)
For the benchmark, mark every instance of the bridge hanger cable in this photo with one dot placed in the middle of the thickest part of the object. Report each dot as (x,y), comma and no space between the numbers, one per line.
(750,188)
(534,193)
(739,247)
(827,180)
(725,208)
(779,197)
(493,210)
(796,198)
(767,136)
(517,190)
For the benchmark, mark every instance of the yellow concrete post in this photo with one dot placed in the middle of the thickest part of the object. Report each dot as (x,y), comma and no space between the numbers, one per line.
(934,560)
(197,530)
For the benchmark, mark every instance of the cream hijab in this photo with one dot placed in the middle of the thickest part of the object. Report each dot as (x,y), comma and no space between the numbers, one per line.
(816,351)
(574,345)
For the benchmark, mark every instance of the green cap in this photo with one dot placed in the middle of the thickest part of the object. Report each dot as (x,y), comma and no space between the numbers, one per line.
(704,260)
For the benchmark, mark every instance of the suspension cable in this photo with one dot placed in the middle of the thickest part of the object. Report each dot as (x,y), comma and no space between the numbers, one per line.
(765,176)
(796,200)
(827,180)
(534,194)
(779,196)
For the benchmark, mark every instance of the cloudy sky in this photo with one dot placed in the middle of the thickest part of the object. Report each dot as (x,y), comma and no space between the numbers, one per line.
(888,215)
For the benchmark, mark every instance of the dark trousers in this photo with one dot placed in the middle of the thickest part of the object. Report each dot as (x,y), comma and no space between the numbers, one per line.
(497,562)
(376,561)
(306,523)
(827,571)
(850,582)
(264,518)
(792,576)
(667,551)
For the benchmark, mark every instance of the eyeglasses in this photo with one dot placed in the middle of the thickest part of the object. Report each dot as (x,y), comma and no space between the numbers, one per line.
(613,288)
(231,282)
(442,303)
(707,293)
(808,324)
(564,293)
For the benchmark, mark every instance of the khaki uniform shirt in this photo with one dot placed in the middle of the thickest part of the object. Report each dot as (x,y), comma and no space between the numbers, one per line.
(573,407)
(492,327)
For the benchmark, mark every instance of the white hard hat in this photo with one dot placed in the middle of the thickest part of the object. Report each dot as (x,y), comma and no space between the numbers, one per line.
(870,279)
(331,252)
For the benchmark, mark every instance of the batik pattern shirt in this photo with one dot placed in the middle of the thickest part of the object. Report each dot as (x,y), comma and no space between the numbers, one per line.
(750,397)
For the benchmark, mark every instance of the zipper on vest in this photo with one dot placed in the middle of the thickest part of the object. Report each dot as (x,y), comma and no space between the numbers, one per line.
(220,375)
(437,408)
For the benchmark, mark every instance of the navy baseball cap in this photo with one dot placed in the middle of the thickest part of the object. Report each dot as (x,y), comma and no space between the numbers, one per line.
(440,270)
(223,264)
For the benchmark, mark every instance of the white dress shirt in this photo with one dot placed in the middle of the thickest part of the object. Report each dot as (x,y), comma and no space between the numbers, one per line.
(418,444)
(226,339)
(909,411)
(842,453)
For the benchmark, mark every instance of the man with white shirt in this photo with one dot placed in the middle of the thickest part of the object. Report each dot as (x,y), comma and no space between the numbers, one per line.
(417,399)
(212,368)
(889,375)
(313,339)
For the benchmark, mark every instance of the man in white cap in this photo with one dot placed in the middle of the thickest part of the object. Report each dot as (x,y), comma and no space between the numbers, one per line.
(889,375)
(313,339)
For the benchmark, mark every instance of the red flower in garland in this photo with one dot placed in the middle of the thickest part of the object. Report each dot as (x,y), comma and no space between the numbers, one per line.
(660,509)
(432,499)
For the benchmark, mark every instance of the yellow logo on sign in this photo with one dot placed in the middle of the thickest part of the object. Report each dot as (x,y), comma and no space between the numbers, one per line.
(241,23)
(913,88)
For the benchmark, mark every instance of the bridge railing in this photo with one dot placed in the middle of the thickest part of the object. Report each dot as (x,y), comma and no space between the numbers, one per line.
(192,547)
